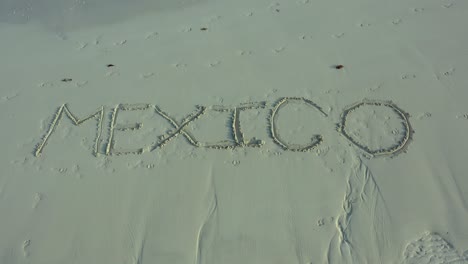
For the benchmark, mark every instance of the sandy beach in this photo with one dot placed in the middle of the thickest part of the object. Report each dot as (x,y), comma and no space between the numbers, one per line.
(228,132)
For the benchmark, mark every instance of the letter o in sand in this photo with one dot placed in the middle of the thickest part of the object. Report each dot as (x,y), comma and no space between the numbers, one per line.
(379,128)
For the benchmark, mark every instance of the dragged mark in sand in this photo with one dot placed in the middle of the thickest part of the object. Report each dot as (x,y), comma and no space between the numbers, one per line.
(364,199)
(238,139)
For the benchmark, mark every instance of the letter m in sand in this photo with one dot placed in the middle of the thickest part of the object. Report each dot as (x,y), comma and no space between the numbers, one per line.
(97,115)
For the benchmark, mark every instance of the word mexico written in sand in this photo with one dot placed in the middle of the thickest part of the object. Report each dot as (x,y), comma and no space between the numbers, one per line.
(237,137)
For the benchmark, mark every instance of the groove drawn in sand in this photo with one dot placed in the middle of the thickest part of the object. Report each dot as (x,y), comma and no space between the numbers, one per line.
(238,135)
(399,137)
(98,115)
(113,126)
(395,149)
(316,139)
(179,128)
(110,142)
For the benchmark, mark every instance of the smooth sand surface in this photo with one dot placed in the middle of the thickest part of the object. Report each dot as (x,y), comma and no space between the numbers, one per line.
(223,132)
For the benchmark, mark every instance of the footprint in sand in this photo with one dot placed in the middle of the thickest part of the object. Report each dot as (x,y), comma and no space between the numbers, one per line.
(431,248)
(26,244)
(37,199)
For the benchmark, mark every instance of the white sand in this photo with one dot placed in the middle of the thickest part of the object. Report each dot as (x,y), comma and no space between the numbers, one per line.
(385,182)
